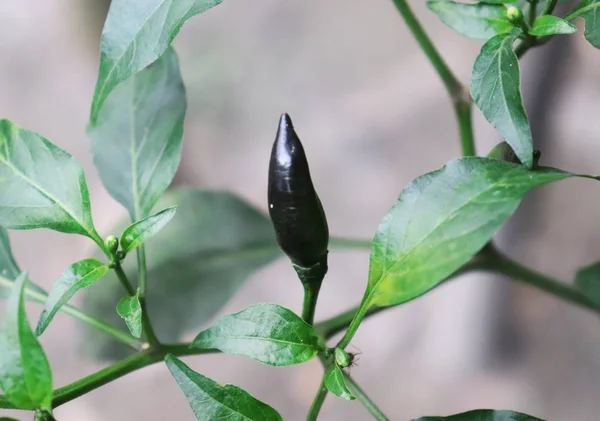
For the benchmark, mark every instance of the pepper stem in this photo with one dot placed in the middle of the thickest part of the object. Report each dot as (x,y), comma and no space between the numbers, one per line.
(311,278)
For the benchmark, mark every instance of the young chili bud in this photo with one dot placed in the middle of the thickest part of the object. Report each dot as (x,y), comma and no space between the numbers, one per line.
(515,16)
(295,209)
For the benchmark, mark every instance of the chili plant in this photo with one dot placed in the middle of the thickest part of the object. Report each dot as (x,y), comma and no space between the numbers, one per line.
(441,226)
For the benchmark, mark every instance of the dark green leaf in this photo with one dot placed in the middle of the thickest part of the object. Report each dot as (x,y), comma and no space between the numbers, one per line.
(42,185)
(7,419)
(135,35)
(211,401)
(484,415)
(495,87)
(551,25)
(588,281)
(77,276)
(589,10)
(130,310)
(335,383)
(137,234)
(267,333)
(441,220)
(25,375)
(137,141)
(195,264)
(480,21)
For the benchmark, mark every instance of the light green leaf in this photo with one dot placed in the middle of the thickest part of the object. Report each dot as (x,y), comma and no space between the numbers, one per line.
(267,333)
(136,143)
(210,401)
(137,234)
(589,10)
(588,281)
(130,310)
(135,35)
(441,220)
(79,275)
(335,383)
(25,375)
(495,88)
(484,415)
(479,21)
(499,1)
(42,185)
(551,25)
(195,264)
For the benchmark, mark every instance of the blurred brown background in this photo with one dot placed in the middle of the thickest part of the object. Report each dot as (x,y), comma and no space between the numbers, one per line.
(372,115)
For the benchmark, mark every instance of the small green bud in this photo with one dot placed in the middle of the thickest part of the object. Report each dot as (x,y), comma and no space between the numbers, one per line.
(515,16)
(112,244)
(342,358)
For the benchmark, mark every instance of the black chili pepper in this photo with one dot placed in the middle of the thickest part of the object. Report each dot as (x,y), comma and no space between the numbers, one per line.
(295,209)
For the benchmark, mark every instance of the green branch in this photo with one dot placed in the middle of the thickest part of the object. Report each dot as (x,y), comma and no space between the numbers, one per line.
(488,260)
(362,397)
(106,375)
(317,404)
(459,95)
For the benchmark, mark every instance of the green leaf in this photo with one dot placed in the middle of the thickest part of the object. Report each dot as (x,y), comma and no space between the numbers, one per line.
(551,25)
(8,267)
(211,401)
(588,281)
(77,276)
(137,234)
(495,88)
(484,415)
(499,1)
(130,310)
(441,220)
(136,143)
(589,10)
(335,383)
(7,419)
(479,21)
(135,35)
(25,375)
(42,185)
(195,264)
(267,333)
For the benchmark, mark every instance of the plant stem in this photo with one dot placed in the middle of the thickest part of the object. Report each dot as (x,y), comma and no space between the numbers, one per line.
(549,7)
(106,375)
(123,279)
(532,12)
(147,328)
(309,306)
(317,404)
(40,297)
(500,263)
(462,110)
(355,323)
(458,94)
(364,399)
(142,269)
(349,243)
